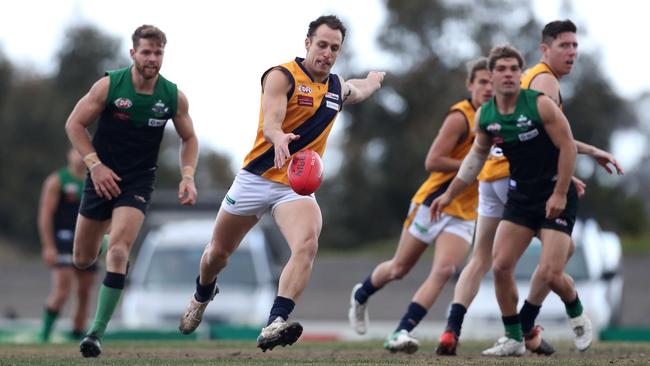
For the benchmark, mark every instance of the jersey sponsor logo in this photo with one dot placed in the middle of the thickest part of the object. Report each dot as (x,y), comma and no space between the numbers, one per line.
(304,89)
(528,135)
(332,105)
(159,109)
(493,127)
(154,122)
(497,139)
(123,103)
(332,96)
(305,101)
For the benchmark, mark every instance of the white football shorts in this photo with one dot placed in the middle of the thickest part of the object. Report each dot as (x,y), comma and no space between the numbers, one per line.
(251,195)
(427,230)
(492,197)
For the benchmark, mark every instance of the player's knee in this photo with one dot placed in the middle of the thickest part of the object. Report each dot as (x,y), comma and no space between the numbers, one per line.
(502,268)
(442,273)
(480,266)
(118,252)
(549,275)
(216,253)
(307,248)
(83,260)
(399,270)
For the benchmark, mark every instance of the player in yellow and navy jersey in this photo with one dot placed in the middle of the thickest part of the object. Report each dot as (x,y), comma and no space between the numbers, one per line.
(452,235)
(300,101)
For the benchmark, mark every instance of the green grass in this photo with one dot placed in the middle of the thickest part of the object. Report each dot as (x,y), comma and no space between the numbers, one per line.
(306,353)
(639,244)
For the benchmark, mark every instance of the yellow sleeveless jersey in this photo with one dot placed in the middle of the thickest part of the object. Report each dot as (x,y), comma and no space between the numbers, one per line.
(464,205)
(496,165)
(312,107)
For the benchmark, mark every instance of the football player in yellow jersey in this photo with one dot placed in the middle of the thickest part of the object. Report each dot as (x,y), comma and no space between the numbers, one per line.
(300,100)
(452,235)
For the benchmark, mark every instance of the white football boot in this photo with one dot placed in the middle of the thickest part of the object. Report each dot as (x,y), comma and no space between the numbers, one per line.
(358,313)
(506,347)
(583,332)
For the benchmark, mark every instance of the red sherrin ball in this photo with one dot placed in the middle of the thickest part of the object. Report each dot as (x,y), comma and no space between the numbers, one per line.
(305,172)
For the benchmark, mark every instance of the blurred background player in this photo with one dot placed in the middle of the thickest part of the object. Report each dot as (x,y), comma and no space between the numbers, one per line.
(300,102)
(132,106)
(57,217)
(559,52)
(452,235)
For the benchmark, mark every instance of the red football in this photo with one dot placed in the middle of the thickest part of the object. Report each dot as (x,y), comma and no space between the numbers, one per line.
(305,172)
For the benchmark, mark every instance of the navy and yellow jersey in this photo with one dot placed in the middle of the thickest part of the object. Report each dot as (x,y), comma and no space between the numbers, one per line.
(530,75)
(70,189)
(521,135)
(131,125)
(312,107)
(464,205)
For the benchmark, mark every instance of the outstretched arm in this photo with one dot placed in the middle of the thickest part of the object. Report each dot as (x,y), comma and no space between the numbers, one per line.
(189,151)
(356,90)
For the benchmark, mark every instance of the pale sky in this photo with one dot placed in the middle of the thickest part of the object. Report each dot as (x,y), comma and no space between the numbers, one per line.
(217,51)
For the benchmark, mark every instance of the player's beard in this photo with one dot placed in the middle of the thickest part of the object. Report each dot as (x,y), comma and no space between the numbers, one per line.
(146,72)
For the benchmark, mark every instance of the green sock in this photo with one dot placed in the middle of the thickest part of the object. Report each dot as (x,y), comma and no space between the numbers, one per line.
(108,298)
(104,246)
(49,317)
(514,331)
(573,308)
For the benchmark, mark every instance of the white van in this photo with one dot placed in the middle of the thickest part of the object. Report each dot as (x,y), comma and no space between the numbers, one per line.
(164,274)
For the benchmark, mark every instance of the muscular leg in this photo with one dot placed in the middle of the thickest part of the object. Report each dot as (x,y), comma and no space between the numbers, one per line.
(409,250)
(450,252)
(480,262)
(538,288)
(61,285)
(87,240)
(300,222)
(229,230)
(126,224)
(555,250)
(510,242)
(85,282)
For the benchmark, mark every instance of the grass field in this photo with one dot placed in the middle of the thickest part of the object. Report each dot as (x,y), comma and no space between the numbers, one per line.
(307,353)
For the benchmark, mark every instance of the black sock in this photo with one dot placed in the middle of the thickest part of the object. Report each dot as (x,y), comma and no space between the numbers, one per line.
(527,316)
(366,290)
(412,318)
(282,307)
(456,317)
(204,292)
(114,280)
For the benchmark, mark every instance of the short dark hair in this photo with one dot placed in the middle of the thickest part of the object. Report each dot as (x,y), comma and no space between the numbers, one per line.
(331,21)
(552,29)
(474,66)
(504,51)
(150,32)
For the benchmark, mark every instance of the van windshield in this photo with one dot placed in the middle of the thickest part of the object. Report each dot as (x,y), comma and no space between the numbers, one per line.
(175,267)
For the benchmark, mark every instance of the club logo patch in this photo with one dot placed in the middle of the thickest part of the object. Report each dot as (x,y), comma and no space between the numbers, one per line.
(123,103)
(524,122)
(159,109)
(305,101)
(304,89)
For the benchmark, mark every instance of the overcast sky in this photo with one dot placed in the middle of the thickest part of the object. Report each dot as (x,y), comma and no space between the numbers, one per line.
(217,51)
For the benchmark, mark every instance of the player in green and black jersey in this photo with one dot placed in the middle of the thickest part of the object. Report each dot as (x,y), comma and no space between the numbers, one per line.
(133,105)
(536,138)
